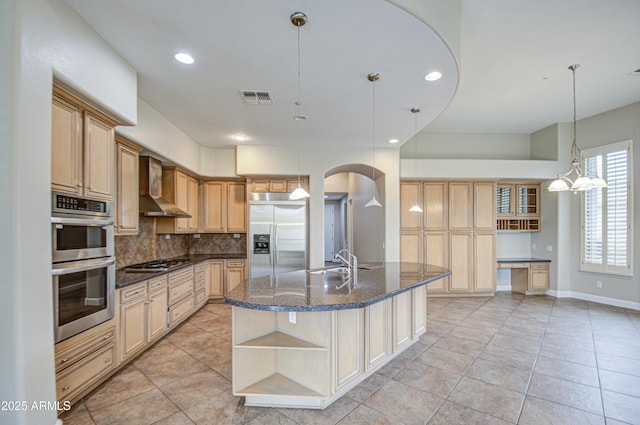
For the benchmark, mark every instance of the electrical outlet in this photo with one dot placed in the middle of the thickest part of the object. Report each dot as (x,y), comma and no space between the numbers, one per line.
(292,317)
(236,236)
(533,246)
(167,237)
(549,248)
(196,236)
(599,284)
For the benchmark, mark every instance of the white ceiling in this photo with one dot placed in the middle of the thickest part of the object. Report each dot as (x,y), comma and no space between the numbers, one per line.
(513,65)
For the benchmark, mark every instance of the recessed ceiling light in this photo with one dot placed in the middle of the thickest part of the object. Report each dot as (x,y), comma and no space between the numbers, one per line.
(393,141)
(240,137)
(433,76)
(184,58)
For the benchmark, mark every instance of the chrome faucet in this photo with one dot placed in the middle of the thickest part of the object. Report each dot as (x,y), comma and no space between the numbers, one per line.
(351,262)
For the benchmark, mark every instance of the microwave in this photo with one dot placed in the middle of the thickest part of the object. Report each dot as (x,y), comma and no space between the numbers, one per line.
(81,228)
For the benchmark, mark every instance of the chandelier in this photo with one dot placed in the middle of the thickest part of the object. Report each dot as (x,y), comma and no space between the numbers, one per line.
(575,179)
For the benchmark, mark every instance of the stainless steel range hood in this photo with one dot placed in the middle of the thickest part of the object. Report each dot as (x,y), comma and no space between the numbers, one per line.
(151,202)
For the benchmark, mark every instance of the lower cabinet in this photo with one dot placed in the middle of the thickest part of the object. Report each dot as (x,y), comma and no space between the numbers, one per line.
(143,315)
(234,273)
(310,359)
(181,295)
(215,278)
(84,360)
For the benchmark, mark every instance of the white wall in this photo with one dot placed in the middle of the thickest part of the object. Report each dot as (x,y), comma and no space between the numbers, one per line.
(40,39)
(467,146)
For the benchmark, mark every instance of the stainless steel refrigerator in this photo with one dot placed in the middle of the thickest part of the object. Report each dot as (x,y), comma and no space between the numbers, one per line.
(277,234)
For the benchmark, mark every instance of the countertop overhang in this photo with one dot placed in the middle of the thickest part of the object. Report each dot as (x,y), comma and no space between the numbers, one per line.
(305,290)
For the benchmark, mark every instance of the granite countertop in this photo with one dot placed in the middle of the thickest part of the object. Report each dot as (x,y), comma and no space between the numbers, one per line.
(316,291)
(523,260)
(129,278)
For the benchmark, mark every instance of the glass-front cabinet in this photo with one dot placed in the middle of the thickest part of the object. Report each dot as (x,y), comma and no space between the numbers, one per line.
(518,207)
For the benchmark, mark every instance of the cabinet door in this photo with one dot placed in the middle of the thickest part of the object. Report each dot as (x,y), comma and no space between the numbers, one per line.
(436,203)
(66,147)
(234,275)
(419,311)
(236,207)
(182,200)
(460,202)
(410,252)
(192,204)
(410,196)
(133,325)
(99,146)
(484,206)
(538,276)
(214,207)
(402,320)
(437,253)
(485,262)
(378,331)
(505,200)
(348,351)
(277,185)
(127,191)
(460,255)
(260,186)
(157,314)
(528,201)
(215,279)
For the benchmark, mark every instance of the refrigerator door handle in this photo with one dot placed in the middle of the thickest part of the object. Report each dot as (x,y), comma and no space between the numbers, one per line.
(275,243)
(271,247)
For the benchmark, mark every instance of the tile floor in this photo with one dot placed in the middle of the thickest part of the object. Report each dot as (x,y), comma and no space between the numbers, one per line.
(489,361)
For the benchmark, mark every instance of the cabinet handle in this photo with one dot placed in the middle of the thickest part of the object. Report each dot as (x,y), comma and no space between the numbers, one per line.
(65,388)
(107,360)
(90,187)
(79,185)
(64,360)
(106,337)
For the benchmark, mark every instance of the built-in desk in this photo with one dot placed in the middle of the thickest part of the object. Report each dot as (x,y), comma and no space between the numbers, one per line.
(529,276)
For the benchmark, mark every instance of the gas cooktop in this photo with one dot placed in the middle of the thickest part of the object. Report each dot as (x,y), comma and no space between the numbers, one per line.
(156,265)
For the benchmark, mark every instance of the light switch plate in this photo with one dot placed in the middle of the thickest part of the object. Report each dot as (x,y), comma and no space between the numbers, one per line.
(292,317)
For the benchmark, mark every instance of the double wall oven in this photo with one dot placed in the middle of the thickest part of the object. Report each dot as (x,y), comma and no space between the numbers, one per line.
(83,269)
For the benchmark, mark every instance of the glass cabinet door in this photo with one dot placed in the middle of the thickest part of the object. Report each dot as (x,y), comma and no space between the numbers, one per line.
(504,200)
(527,200)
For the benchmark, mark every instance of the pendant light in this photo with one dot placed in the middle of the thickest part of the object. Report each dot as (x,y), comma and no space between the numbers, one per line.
(415,111)
(298,19)
(582,181)
(373,77)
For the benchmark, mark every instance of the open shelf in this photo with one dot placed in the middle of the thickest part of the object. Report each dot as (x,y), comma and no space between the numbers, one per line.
(278,385)
(278,340)
(518,225)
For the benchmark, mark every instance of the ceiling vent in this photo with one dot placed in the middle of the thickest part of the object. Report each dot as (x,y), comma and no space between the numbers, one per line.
(251,97)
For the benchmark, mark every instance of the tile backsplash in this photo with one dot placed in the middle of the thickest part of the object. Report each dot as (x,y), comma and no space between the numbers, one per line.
(147,245)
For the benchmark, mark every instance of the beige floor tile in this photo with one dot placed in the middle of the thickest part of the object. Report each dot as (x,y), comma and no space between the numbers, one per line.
(447,360)
(365,415)
(454,414)
(487,398)
(404,403)
(541,412)
(196,388)
(575,355)
(473,334)
(78,415)
(569,341)
(430,379)
(143,409)
(567,370)
(272,417)
(621,407)
(394,367)
(501,375)
(330,415)
(126,384)
(459,345)
(222,409)
(518,343)
(620,383)
(615,349)
(176,419)
(162,352)
(618,364)
(567,393)
(214,355)
(179,367)
(508,357)
(367,387)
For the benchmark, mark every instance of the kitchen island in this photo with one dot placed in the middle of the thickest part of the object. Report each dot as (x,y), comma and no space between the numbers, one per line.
(303,339)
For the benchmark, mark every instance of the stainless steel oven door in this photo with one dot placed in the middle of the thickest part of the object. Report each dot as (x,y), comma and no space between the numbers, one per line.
(83,295)
(81,238)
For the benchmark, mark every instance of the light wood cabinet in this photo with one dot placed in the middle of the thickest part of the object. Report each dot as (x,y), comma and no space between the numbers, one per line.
(377,333)
(82,361)
(349,348)
(277,184)
(234,273)
(181,290)
(180,189)
(402,321)
(82,148)
(224,207)
(215,279)
(529,278)
(538,276)
(157,308)
(457,233)
(410,195)
(126,205)
(518,207)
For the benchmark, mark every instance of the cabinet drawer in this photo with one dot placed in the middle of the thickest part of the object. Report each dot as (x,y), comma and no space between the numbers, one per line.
(513,265)
(231,264)
(539,266)
(134,292)
(181,276)
(70,382)
(200,297)
(180,311)
(179,290)
(199,284)
(71,355)
(157,283)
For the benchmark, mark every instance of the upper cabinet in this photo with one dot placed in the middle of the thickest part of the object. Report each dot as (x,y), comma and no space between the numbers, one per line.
(224,207)
(126,205)
(277,184)
(180,189)
(518,207)
(82,148)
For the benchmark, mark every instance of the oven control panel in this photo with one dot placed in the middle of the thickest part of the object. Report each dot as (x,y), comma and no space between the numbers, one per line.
(64,203)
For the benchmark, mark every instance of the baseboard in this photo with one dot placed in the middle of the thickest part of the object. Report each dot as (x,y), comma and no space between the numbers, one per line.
(595,298)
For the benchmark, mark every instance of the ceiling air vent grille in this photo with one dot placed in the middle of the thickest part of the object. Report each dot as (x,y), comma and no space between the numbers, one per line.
(251,97)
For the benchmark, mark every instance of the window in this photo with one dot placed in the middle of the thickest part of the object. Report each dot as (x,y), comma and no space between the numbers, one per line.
(607,213)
